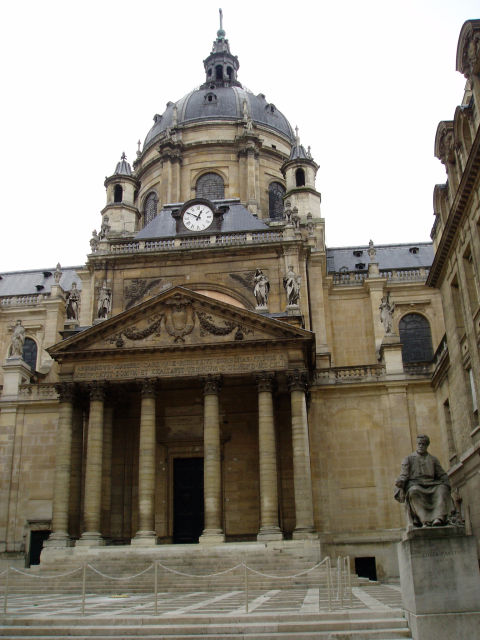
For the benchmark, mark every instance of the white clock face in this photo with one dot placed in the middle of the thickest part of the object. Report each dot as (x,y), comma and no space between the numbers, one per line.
(198,217)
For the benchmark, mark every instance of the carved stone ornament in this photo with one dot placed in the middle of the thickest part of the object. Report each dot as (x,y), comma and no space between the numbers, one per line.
(372,252)
(179,317)
(447,147)
(211,385)
(136,291)
(265,381)
(471,55)
(208,325)
(246,279)
(149,387)
(96,390)
(66,391)
(297,380)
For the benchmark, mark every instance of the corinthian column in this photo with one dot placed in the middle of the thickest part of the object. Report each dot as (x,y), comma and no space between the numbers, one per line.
(63,464)
(93,471)
(302,477)
(212,465)
(269,529)
(146,468)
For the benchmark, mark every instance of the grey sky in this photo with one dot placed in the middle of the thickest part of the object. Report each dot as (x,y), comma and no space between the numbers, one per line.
(366,83)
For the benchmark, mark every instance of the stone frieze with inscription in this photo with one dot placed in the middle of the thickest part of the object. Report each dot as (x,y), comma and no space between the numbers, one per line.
(181,367)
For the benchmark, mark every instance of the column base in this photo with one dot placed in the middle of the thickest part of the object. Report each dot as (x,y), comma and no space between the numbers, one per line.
(212,536)
(59,539)
(305,534)
(144,539)
(269,533)
(90,539)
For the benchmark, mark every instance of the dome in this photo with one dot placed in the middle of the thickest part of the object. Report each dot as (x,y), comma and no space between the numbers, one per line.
(220,103)
(221,97)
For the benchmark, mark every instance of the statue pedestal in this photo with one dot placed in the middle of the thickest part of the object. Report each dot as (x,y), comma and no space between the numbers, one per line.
(391,354)
(15,373)
(440,583)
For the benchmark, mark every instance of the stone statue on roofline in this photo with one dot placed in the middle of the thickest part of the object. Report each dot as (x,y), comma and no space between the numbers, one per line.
(261,289)
(18,340)
(424,487)
(291,284)
(386,314)
(72,303)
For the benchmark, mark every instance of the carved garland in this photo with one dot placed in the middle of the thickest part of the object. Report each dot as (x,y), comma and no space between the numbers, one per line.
(208,326)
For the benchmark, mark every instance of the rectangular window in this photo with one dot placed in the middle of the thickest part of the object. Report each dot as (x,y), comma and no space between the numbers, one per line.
(471,280)
(473,391)
(457,307)
(452,452)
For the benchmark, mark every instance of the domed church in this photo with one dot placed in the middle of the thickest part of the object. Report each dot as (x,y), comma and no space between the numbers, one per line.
(214,374)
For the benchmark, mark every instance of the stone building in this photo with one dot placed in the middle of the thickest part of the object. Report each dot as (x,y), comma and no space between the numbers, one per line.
(214,373)
(455,272)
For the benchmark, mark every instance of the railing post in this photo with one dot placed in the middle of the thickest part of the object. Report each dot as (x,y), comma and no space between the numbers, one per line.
(246,586)
(156,589)
(5,597)
(84,580)
(329,583)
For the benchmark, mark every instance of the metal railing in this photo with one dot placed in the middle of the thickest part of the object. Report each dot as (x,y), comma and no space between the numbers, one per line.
(152,586)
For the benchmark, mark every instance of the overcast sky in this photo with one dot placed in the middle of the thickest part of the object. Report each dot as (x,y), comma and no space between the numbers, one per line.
(365,81)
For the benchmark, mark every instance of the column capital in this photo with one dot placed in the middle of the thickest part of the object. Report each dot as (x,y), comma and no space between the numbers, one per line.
(97,390)
(265,381)
(211,385)
(149,387)
(66,391)
(297,380)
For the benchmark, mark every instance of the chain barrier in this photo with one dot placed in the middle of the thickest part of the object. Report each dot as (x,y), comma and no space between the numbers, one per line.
(337,582)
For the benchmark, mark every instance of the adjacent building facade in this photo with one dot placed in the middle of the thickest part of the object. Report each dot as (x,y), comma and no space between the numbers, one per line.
(455,271)
(214,372)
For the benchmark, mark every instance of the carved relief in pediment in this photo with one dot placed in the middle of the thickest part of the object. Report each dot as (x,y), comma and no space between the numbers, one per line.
(173,321)
(139,289)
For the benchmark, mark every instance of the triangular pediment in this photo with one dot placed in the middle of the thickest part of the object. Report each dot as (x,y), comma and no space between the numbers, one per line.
(179,319)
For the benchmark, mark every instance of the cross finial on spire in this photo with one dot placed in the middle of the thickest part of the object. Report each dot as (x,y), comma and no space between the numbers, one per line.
(296,134)
(124,157)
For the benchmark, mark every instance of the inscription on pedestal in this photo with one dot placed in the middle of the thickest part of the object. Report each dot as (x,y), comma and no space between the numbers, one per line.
(181,368)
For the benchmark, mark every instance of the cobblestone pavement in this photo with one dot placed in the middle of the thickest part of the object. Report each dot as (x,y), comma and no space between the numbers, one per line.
(232,602)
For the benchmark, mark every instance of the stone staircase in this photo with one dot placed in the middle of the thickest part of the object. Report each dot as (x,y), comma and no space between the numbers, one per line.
(127,592)
(351,625)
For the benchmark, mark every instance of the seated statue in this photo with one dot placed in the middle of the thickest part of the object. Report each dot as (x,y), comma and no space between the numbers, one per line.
(424,487)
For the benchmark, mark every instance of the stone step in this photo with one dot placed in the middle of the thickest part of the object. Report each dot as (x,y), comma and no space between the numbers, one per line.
(351,628)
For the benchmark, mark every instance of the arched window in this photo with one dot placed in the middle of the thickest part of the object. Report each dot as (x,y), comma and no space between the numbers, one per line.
(149,208)
(300,178)
(219,72)
(210,186)
(416,338)
(118,193)
(29,353)
(276,191)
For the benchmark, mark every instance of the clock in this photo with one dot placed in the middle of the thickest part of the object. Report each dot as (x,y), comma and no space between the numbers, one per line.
(198,217)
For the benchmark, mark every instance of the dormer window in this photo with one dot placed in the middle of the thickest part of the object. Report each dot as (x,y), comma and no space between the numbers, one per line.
(360,266)
(118,193)
(271,108)
(414,250)
(357,253)
(210,98)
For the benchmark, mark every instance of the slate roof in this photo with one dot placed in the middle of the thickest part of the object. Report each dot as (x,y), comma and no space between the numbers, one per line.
(226,104)
(22,283)
(237,218)
(389,256)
